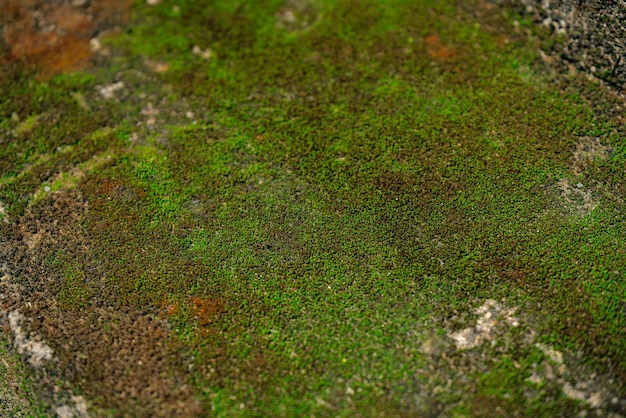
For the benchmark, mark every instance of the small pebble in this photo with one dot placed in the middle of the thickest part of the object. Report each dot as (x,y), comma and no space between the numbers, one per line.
(108,91)
(206,54)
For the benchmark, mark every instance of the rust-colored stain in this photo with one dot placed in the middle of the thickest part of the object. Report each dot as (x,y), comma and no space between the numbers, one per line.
(437,50)
(119,190)
(206,310)
(55,35)
(168,309)
(108,187)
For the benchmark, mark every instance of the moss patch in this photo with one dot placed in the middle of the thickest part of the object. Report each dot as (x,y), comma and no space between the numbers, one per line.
(294,210)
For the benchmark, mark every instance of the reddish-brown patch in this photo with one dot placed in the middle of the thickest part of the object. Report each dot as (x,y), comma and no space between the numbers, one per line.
(157,66)
(206,310)
(119,190)
(54,35)
(168,309)
(437,50)
(119,357)
(109,187)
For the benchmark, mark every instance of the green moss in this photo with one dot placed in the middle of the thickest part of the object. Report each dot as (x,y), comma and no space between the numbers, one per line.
(18,396)
(348,187)
(398,164)
(75,292)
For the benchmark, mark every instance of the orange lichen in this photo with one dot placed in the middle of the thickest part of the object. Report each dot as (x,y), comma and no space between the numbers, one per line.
(168,309)
(437,50)
(55,36)
(206,310)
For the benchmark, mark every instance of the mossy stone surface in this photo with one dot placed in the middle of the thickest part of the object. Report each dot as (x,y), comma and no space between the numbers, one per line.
(310,207)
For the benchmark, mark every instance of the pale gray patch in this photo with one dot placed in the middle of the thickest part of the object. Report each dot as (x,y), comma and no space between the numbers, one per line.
(491,315)
(108,92)
(35,350)
(3,214)
(577,197)
(297,15)
(555,355)
(78,410)
(589,149)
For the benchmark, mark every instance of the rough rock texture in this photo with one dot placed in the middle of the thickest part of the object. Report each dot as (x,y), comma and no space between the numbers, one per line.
(589,36)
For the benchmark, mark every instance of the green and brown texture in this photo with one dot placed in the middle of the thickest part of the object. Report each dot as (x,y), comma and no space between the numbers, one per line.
(307,208)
